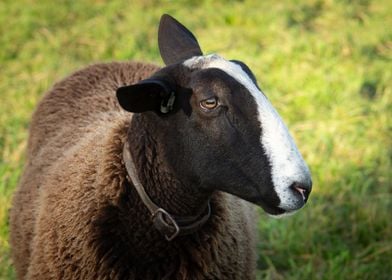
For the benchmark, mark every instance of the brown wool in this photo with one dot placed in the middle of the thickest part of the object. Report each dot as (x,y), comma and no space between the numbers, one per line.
(74,216)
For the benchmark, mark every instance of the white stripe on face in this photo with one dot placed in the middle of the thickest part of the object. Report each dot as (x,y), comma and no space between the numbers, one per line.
(287,164)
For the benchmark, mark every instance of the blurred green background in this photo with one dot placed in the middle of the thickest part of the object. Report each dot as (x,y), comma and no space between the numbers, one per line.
(325,65)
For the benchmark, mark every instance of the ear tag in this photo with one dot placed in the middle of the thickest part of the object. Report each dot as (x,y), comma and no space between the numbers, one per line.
(169,105)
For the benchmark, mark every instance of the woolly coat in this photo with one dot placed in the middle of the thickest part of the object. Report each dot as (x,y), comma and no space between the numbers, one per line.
(75,216)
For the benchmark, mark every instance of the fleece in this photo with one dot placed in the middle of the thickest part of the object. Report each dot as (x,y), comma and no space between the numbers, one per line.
(75,215)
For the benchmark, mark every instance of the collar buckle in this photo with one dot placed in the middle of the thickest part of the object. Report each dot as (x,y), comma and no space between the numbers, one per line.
(165,223)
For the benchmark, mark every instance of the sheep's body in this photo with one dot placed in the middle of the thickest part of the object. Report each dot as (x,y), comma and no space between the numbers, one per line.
(201,130)
(73,215)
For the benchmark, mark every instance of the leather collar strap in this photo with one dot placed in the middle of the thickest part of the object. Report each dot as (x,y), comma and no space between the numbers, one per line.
(170,226)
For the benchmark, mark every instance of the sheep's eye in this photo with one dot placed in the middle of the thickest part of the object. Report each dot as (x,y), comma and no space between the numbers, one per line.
(210,103)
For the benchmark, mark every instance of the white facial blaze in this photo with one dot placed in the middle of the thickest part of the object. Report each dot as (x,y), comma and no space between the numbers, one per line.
(287,164)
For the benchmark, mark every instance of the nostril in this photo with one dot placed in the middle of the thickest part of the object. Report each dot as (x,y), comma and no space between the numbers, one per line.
(301,189)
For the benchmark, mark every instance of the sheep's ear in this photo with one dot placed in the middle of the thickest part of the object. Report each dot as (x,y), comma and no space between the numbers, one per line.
(147,95)
(176,42)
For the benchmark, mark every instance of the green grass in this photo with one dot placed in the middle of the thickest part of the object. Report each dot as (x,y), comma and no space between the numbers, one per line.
(325,65)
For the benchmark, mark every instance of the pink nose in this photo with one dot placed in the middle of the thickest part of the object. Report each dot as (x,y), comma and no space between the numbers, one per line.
(302,189)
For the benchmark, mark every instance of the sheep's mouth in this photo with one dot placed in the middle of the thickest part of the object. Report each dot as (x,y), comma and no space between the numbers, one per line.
(269,209)
(273,210)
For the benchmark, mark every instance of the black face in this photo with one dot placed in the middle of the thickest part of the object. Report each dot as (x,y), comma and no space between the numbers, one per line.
(224,148)
(210,125)
(212,135)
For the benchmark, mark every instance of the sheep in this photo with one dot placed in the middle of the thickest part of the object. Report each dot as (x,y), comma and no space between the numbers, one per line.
(134,171)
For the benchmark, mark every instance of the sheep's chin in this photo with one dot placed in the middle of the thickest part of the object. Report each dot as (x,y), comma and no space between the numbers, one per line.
(278,212)
(283,215)
(271,210)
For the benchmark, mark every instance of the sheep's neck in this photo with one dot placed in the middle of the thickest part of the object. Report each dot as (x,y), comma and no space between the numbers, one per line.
(161,185)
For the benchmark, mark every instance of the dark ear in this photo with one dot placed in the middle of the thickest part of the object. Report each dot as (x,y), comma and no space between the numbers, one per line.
(147,95)
(176,42)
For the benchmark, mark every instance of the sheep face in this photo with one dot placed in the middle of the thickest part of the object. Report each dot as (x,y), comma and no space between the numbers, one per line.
(219,130)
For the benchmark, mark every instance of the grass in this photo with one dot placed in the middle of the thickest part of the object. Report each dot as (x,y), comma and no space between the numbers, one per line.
(325,65)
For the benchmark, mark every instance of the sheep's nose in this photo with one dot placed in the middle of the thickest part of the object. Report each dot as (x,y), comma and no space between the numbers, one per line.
(303,189)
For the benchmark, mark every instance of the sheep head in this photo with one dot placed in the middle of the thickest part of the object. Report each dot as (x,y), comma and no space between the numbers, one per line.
(219,129)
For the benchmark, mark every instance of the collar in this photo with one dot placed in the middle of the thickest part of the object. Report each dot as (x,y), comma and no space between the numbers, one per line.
(168,225)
